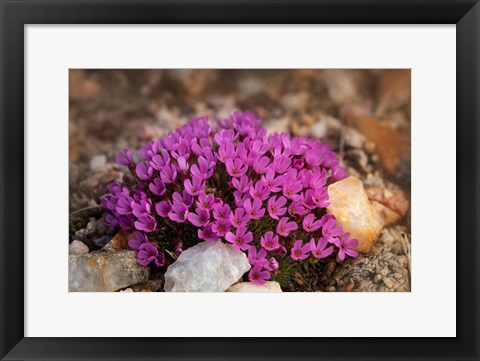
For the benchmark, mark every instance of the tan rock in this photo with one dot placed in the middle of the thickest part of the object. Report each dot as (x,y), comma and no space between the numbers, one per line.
(104,271)
(354,213)
(268,287)
(386,214)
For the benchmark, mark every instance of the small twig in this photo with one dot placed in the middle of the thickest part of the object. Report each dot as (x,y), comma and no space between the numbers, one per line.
(84,209)
(171,254)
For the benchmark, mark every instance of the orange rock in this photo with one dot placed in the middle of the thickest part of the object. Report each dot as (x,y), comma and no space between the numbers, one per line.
(395,200)
(386,214)
(354,213)
(390,145)
(120,240)
(80,87)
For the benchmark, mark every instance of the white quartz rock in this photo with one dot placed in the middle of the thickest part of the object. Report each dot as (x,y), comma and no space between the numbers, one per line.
(104,271)
(98,162)
(206,267)
(268,287)
(354,213)
(77,247)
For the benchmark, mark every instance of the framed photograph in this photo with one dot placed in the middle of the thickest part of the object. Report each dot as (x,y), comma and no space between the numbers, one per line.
(200,180)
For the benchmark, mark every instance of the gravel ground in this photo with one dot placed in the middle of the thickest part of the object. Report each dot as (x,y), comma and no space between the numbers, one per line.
(363,114)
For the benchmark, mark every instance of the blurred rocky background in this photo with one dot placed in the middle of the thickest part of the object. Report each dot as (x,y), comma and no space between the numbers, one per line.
(364,114)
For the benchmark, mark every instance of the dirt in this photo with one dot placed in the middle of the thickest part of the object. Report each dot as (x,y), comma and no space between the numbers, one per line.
(363,114)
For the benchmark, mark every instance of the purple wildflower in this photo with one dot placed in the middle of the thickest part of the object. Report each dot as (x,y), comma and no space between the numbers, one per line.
(261,164)
(146,223)
(124,205)
(254,208)
(199,219)
(221,211)
(202,170)
(258,276)
(296,207)
(136,240)
(240,239)
(300,251)
(281,164)
(330,232)
(125,222)
(241,184)
(320,198)
(272,264)
(291,190)
(235,167)
(110,220)
(168,174)
(124,157)
(148,253)
(142,207)
(239,218)
(206,201)
(309,223)
(255,257)
(345,246)
(179,213)
(184,198)
(144,171)
(207,233)
(276,206)
(157,187)
(273,183)
(339,173)
(226,152)
(221,227)
(319,250)
(194,186)
(269,241)
(163,208)
(284,227)
(259,191)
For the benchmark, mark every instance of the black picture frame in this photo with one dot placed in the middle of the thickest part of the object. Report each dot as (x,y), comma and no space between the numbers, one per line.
(15,14)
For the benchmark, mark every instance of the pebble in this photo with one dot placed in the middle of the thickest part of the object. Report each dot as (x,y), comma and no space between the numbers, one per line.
(268,287)
(319,130)
(386,214)
(91,228)
(118,242)
(98,163)
(102,241)
(393,199)
(77,247)
(388,282)
(353,138)
(354,213)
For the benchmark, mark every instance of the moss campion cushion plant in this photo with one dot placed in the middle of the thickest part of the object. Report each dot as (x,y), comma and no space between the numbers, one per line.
(228,181)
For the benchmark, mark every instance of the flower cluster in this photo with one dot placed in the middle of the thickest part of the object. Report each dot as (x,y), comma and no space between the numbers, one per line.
(230,181)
